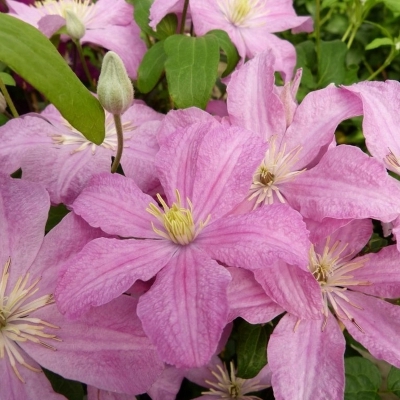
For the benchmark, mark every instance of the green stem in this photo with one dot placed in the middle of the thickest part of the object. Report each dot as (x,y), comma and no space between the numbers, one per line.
(184,12)
(84,65)
(317,27)
(120,136)
(8,99)
(386,63)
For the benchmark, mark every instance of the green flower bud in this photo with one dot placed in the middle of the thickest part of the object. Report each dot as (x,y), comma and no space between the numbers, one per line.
(3,104)
(75,27)
(114,89)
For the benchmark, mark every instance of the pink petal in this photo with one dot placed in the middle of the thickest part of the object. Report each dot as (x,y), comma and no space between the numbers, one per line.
(116,205)
(36,386)
(123,40)
(381,103)
(98,394)
(31,15)
(111,353)
(24,208)
(106,268)
(160,8)
(316,120)
(167,386)
(186,309)
(295,290)
(254,239)
(50,24)
(252,102)
(209,164)
(320,230)
(248,300)
(346,183)
(307,363)
(110,12)
(380,324)
(382,271)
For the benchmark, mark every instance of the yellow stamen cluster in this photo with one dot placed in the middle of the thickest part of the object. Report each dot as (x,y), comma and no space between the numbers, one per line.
(177,221)
(243,13)
(15,323)
(83,9)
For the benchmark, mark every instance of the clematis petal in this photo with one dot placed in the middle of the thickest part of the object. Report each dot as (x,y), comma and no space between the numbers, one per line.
(247,299)
(254,84)
(50,24)
(381,103)
(24,208)
(160,8)
(116,205)
(31,15)
(36,386)
(316,120)
(119,39)
(346,183)
(87,277)
(293,289)
(98,394)
(167,386)
(110,12)
(209,164)
(380,324)
(186,309)
(107,349)
(319,231)
(381,270)
(300,358)
(261,236)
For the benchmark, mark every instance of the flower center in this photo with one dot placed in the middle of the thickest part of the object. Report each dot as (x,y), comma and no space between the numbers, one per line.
(15,323)
(393,162)
(229,386)
(83,9)
(333,273)
(76,138)
(275,170)
(177,221)
(243,13)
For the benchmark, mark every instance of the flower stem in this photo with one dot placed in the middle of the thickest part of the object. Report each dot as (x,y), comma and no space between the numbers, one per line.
(184,12)
(386,63)
(120,136)
(8,99)
(84,65)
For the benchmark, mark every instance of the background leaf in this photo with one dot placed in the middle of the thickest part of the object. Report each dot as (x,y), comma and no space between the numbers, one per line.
(32,56)
(363,379)
(393,381)
(331,65)
(70,389)
(251,350)
(191,68)
(7,79)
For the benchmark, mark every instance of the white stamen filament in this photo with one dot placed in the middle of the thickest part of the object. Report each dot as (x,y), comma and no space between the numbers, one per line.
(393,162)
(229,386)
(275,170)
(243,13)
(15,323)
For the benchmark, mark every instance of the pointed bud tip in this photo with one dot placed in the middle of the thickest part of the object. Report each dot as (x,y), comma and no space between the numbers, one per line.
(75,27)
(114,89)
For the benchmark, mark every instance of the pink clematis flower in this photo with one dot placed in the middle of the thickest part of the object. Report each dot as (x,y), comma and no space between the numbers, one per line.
(302,165)
(250,24)
(203,171)
(110,352)
(160,8)
(108,23)
(350,290)
(224,384)
(51,152)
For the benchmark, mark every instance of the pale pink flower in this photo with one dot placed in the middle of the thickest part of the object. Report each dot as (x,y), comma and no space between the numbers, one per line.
(107,349)
(250,24)
(108,23)
(204,171)
(51,152)
(160,8)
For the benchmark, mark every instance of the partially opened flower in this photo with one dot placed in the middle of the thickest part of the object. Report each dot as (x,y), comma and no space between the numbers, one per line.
(250,24)
(110,352)
(50,151)
(203,171)
(107,23)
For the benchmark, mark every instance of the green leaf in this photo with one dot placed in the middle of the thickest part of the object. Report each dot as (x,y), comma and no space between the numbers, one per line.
(191,68)
(363,379)
(306,59)
(331,66)
(7,79)
(378,43)
(70,389)
(141,14)
(393,5)
(32,56)
(393,381)
(167,26)
(225,43)
(251,350)
(151,67)
(56,214)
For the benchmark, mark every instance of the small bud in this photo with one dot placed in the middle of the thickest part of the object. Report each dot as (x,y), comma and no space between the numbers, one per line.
(114,88)
(75,27)
(3,104)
